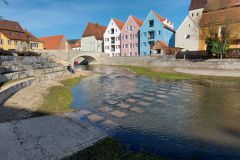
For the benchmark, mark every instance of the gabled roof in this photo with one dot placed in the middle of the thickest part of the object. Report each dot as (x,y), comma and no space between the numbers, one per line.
(159,45)
(10,26)
(119,23)
(52,42)
(76,44)
(221,12)
(138,21)
(162,19)
(12,30)
(95,30)
(197,4)
(31,37)
(213,5)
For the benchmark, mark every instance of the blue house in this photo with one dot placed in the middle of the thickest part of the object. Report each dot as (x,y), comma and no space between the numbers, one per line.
(155,28)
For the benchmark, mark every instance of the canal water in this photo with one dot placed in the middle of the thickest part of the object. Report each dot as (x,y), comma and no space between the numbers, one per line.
(176,119)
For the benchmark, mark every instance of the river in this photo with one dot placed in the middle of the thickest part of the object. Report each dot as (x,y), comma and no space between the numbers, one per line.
(176,119)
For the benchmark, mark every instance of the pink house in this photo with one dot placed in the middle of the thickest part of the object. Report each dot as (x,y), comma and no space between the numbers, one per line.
(130,37)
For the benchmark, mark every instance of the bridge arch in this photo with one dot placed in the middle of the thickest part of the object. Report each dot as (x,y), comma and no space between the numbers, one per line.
(84,59)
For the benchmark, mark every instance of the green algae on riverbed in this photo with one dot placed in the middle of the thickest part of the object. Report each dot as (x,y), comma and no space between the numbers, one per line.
(214,80)
(110,149)
(59,98)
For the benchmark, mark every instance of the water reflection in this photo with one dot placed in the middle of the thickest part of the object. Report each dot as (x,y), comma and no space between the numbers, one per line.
(175,119)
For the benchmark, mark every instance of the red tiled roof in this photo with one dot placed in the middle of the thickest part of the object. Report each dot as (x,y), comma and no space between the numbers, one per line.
(31,37)
(12,30)
(96,30)
(161,19)
(75,45)
(197,4)
(10,26)
(220,12)
(138,21)
(159,45)
(220,4)
(119,23)
(52,42)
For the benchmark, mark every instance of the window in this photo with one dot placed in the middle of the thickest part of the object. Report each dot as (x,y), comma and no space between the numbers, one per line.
(197,14)
(192,14)
(189,25)
(159,32)
(151,35)
(151,23)
(144,44)
(145,34)
(136,35)
(131,46)
(131,28)
(126,45)
(126,36)
(136,44)
(187,36)
(9,42)
(112,31)
(131,37)
(123,45)
(1,42)
(221,31)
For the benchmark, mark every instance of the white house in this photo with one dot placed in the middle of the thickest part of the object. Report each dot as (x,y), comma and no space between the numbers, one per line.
(187,35)
(112,38)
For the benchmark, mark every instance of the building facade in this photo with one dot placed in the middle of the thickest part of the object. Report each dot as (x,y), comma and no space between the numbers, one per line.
(58,42)
(220,15)
(187,35)
(154,28)
(14,37)
(76,46)
(130,37)
(92,38)
(112,38)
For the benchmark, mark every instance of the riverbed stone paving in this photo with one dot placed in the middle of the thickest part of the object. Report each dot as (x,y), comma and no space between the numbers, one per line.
(109,123)
(118,114)
(141,103)
(136,109)
(123,105)
(95,118)
(105,109)
(131,100)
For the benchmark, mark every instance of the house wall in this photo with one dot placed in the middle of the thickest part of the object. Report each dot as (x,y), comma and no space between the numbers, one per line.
(91,44)
(165,35)
(189,27)
(38,47)
(107,40)
(126,49)
(235,35)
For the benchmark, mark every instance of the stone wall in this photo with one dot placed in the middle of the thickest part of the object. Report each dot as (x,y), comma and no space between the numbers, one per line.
(7,93)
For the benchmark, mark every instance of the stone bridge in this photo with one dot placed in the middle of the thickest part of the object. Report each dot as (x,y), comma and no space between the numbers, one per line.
(66,57)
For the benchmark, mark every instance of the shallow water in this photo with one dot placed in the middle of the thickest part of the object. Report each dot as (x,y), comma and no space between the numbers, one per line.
(174,119)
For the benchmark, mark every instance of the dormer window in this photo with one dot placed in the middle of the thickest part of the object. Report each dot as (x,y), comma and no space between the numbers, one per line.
(112,31)
(151,23)
(192,14)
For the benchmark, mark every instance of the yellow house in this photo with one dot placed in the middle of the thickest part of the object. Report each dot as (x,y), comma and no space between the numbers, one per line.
(218,15)
(13,37)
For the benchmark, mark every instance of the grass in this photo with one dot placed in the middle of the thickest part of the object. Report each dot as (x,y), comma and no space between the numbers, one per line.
(110,149)
(59,98)
(144,71)
(171,75)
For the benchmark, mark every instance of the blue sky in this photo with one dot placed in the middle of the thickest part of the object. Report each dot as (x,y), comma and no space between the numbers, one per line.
(70,17)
